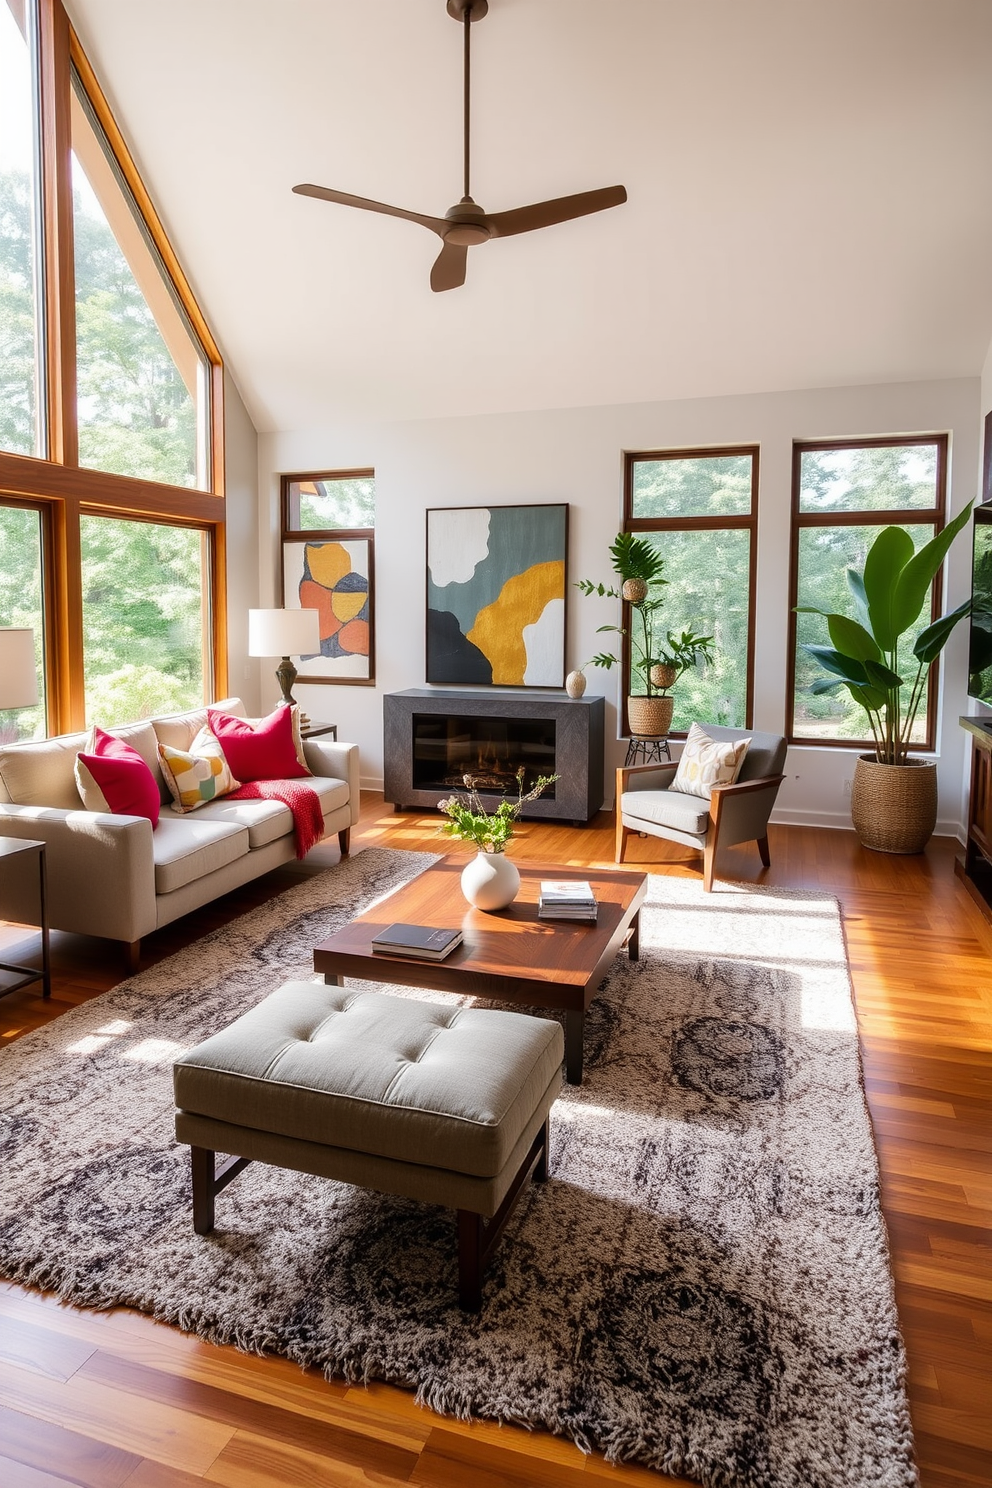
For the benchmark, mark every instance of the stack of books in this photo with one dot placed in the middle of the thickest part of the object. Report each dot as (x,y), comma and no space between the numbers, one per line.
(566,899)
(422,942)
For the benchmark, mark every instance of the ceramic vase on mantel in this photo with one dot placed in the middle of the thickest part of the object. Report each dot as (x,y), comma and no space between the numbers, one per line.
(490,881)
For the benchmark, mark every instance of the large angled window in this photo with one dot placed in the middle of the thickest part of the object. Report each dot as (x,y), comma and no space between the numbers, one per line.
(141,375)
(844,494)
(21,572)
(699,508)
(21,405)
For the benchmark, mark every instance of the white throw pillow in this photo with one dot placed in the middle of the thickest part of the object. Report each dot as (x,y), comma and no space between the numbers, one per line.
(708,762)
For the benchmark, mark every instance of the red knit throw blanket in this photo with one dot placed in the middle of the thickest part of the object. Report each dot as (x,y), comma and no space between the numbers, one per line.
(302,800)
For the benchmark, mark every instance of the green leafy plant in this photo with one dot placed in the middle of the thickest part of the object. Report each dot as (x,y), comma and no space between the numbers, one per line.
(469,821)
(864,655)
(639,565)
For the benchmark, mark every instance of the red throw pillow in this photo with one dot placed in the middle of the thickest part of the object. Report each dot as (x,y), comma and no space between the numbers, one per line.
(122,777)
(258,751)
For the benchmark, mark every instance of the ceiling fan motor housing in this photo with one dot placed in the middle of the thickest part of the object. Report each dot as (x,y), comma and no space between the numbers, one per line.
(468,224)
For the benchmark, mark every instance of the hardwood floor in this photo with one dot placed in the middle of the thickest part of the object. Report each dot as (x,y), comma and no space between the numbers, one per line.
(101,1399)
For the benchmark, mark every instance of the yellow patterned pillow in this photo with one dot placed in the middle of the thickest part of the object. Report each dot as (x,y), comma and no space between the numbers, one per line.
(196,775)
(708,762)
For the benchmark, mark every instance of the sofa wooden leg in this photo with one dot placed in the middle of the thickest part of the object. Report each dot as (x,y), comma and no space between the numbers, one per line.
(763,850)
(132,955)
(344,841)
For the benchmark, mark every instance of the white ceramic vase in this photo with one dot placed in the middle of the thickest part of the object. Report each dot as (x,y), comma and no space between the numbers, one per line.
(490,881)
(575,683)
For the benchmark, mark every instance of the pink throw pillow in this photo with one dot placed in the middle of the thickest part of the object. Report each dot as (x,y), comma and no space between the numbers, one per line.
(121,776)
(258,751)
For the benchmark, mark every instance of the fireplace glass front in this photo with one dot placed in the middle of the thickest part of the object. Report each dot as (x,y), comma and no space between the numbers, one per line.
(447,747)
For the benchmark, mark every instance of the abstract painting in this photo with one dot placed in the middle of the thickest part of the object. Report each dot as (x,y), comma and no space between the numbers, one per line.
(334,577)
(496,595)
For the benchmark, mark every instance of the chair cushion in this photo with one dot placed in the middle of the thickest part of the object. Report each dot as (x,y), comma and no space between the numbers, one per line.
(443,1086)
(197,775)
(187,849)
(707,762)
(667,808)
(267,821)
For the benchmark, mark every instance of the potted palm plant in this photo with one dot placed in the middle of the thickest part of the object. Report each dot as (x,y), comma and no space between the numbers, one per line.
(638,566)
(894,796)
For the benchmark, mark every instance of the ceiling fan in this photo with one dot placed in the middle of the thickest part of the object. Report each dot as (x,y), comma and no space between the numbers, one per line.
(466,224)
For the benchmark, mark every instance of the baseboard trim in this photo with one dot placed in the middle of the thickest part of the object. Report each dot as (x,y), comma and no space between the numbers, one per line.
(840,821)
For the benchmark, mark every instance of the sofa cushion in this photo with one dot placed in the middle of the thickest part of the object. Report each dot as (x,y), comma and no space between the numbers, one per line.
(668,808)
(178,730)
(259,750)
(266,821)
(197,775)
(188,848)
(417,1082)
(112,776)
(42,772)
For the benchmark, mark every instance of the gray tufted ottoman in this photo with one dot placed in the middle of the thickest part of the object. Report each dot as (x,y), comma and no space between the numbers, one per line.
(446,1105)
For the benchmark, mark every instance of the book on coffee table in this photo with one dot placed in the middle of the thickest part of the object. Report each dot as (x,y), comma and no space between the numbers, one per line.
(424,942)
(566,899)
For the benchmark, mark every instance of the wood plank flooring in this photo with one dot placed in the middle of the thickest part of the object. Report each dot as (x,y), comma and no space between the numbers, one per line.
(105,1399)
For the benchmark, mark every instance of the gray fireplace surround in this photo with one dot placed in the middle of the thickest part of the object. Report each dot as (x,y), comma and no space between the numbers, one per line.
(433,737)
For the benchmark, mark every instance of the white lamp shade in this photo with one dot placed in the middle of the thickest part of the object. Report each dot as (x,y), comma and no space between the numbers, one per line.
(18,677)
(283,632)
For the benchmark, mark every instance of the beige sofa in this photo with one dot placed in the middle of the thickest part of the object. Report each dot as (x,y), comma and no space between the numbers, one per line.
(112,875)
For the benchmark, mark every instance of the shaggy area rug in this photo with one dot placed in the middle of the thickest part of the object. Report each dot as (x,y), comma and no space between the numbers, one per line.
(702,1286)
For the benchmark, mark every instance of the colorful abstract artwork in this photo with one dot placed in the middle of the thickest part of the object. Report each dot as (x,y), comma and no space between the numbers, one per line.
(334,577)
(496,595)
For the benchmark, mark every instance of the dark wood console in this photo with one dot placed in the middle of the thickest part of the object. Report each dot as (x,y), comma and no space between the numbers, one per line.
(432,738)
(975,868)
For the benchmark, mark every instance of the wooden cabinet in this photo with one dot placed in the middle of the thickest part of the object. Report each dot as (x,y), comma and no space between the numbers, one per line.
(975,868)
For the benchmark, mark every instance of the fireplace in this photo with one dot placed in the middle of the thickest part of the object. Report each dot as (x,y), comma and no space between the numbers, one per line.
(433,739)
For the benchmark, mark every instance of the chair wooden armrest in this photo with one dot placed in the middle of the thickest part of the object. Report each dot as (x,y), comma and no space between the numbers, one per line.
(743,787)
(725,795)
(626,772)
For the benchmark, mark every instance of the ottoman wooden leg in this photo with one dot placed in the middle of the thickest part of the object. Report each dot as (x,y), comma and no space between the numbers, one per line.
(208,1182)
(477,1240)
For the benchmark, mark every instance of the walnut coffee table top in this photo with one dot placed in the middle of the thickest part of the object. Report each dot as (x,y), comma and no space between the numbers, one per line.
(508,956)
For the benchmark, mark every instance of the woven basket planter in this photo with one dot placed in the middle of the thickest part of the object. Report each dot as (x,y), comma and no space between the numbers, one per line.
(649,717)
(894,807)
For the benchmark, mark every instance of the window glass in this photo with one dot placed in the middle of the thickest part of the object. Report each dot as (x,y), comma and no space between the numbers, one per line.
(21,607)
(708,574)
(21,404)
(330,503)
(692,486)
(144,618)
(892,477)
(141,373)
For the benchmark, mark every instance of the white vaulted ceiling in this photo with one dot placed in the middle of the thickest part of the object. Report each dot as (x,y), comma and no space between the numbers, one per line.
(808,181)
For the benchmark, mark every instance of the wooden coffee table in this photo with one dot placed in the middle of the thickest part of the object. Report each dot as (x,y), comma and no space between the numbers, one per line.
(509,956)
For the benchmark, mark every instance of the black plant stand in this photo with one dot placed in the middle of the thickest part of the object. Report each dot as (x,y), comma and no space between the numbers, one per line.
(647,750)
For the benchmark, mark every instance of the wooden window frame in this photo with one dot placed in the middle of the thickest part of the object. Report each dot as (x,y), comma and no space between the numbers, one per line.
(745,521)
(57,482)
(934,516)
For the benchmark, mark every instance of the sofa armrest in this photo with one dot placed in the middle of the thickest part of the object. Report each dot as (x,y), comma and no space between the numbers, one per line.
(100,869)
(340,762)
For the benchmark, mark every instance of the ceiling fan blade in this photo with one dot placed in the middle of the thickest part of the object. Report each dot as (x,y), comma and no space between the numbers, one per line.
(449,267)
(562,209)
(326,193)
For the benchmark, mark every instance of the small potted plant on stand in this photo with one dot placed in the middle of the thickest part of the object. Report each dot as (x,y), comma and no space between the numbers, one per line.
(894,796)
(639,565)
(490,880)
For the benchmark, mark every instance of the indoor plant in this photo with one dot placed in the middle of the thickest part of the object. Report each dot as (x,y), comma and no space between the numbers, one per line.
(638,564)
(894,797)
(490,880)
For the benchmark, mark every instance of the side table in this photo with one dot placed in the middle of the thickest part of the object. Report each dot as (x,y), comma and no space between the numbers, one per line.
(646,750)
(313,730)
(13,847)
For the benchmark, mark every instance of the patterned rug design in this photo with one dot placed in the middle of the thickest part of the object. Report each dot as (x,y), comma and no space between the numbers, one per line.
(702,1286)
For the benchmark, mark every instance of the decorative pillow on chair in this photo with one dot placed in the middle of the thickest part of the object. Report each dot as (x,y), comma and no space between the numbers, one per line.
(111,776)
(707,762)
(198,774)
(260,749)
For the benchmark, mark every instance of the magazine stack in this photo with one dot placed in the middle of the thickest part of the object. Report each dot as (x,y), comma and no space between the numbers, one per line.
(567,899)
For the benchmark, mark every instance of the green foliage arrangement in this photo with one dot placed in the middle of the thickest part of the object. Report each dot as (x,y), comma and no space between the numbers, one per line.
(638,565)
(864,656)
(469,821)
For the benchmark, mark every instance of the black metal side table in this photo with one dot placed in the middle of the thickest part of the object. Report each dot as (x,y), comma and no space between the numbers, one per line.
(12,847)
(647,750)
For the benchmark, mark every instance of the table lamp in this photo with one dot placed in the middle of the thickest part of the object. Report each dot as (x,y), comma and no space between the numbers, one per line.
(18,674)
(284,633)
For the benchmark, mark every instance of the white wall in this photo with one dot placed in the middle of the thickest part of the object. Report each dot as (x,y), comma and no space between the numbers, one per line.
(241,484)
(575,455)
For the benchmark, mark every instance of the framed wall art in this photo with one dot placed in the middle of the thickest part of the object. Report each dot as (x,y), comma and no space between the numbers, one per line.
(334,576)
(496,595)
